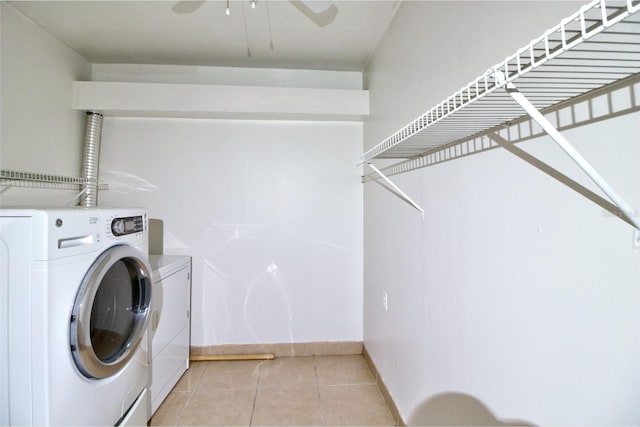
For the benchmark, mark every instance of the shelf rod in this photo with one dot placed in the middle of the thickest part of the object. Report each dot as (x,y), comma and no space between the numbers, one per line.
(566,146)
(395,187)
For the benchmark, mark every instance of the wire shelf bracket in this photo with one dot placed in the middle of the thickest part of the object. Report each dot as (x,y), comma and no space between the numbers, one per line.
(560,177)
(569,149)
(401,193)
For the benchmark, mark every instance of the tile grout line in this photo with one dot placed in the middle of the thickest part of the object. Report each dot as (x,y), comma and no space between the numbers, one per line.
(191,393)
(253,407)
(184,408)
(255,394)
(315,370)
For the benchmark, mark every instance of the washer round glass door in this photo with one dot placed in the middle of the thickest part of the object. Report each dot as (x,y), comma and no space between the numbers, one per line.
(110,312)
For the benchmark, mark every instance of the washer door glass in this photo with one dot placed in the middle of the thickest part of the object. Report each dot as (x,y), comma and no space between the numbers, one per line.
(110,312)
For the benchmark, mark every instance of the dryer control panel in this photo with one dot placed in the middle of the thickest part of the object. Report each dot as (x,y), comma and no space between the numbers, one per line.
(127,225)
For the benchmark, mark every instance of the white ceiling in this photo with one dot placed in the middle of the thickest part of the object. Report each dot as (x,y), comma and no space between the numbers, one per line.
(151,32)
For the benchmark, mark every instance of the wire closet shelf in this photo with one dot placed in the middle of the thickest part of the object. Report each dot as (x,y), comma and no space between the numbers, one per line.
(12,178)
(597,46)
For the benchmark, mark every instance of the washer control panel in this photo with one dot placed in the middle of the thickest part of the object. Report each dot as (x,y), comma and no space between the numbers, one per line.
(127,225)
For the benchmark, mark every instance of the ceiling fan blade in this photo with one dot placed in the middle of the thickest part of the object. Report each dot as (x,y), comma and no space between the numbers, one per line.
(321,13)
(187,6)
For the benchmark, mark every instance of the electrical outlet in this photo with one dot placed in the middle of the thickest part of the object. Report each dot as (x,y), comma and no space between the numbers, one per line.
(385,301)
(636,238)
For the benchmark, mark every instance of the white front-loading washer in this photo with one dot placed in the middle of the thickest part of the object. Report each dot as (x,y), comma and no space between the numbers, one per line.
(75,289)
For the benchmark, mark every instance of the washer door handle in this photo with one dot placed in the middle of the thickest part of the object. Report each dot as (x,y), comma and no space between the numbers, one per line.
(75,241)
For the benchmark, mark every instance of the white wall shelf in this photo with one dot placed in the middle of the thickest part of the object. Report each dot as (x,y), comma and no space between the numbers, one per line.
(220,101)
(593,50)
(11,178)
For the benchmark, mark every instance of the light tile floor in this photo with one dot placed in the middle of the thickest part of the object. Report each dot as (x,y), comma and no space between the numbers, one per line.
(288,391)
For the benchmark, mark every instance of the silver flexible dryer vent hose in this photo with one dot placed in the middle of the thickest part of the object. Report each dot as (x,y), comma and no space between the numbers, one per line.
(91,159)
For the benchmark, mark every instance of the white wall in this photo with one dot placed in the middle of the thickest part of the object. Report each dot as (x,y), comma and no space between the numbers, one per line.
(515,298)
(270,211)
(39,132)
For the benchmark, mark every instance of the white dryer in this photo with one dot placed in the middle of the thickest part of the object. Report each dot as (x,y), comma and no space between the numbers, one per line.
(75,290)
(169,331)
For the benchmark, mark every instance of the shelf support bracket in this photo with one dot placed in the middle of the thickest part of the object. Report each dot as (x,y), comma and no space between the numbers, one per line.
(397,189)
(562,178)
(570,150)
(72,202)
